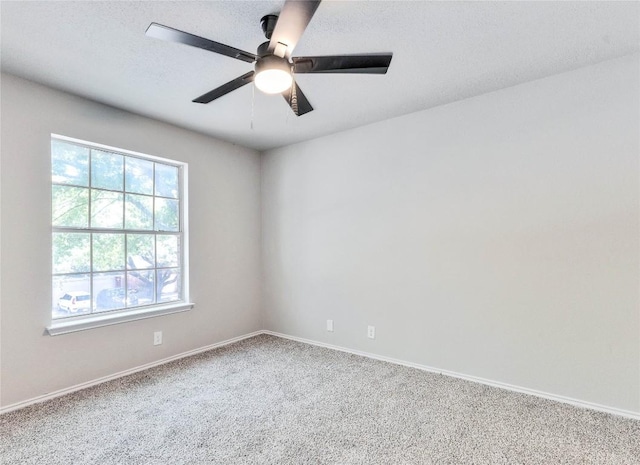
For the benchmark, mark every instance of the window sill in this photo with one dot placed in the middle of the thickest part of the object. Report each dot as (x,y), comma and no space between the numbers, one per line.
(96,321)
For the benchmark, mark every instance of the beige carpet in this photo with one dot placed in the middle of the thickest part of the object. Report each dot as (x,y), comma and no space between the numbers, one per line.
(268,400)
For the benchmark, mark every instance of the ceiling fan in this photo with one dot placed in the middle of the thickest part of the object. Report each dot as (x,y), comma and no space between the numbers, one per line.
(274,65)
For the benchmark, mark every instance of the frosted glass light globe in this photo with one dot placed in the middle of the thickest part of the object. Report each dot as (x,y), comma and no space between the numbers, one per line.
(273,81)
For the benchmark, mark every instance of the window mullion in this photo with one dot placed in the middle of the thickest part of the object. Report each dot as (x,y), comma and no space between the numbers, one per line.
(113,231)
(91,271)
(90,223)
(126,265)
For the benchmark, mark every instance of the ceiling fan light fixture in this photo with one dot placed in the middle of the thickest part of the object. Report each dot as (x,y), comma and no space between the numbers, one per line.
(274,63)
(273,75)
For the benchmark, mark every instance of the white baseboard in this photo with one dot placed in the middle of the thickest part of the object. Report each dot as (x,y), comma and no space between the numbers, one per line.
(78,387)
(475,379)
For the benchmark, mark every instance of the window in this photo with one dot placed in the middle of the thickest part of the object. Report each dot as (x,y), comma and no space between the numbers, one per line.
(118,231)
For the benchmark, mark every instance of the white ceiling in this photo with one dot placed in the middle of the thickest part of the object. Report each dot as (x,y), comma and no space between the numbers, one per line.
(443,52)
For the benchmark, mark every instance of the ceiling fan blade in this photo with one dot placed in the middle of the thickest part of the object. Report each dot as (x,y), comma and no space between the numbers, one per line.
(292,22)
(225,88)
(371,63)
(297,100)
(173,35)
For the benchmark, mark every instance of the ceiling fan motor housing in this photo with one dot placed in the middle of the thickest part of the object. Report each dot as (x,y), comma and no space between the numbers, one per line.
(263,50)
(267,60)
(272,62)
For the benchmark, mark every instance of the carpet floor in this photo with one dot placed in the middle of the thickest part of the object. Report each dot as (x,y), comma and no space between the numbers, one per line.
(268,400)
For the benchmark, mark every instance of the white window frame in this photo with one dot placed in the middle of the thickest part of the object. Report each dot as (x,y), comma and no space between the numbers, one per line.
(95,320)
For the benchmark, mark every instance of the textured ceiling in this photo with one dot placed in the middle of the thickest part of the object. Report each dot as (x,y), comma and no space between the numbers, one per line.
(443,52)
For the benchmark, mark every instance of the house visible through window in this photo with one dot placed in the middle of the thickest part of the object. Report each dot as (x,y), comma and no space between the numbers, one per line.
(117,230)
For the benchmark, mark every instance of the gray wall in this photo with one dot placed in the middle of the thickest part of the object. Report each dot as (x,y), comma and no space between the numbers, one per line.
(224,190)
(496,237)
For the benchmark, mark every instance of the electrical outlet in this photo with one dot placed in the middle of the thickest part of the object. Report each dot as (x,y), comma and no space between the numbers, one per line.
(157,338)
(330,325)
(371,332)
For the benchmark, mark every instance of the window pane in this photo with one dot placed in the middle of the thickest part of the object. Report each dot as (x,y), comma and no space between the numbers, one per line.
(167,251)
(167,215)
(138,176)
(69,206)
(69,163)
(71,252)
(106,170)
(142,284)
(106,209)
(108,252)
(169,285)
(140,251)
(166,181)
(71,295)
(110,292)
(138,212)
